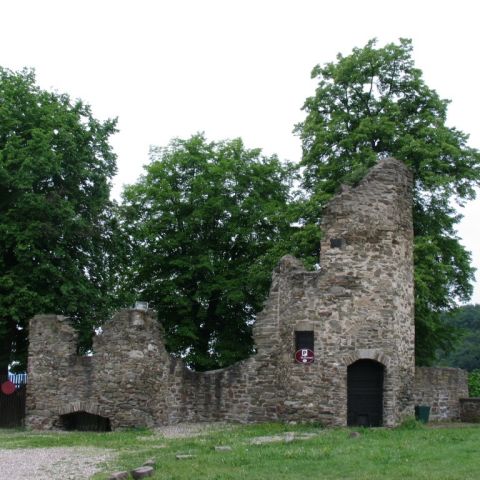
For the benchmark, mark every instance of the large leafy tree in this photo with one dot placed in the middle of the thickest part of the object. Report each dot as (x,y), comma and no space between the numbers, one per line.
(208,221)
(374,103)
(56,223)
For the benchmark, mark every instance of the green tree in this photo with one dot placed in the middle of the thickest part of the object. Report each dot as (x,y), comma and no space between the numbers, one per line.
(374,103)
(466,353)
(56,224)
(208,222)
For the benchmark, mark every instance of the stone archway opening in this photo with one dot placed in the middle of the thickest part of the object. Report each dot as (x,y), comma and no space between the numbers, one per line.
(85,422)
(365,393)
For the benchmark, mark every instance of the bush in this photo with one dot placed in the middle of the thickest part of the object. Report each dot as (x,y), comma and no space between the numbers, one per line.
(411,423)
(474,383)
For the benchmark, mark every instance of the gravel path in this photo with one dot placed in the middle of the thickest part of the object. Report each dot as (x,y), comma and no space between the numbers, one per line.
(67,463)
(77,463)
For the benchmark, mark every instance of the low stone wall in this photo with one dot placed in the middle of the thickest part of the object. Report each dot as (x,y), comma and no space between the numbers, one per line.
(440,388)
(470,410)
(208,396)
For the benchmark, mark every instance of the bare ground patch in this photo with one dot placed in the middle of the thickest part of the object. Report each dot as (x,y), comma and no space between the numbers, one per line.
(68,463)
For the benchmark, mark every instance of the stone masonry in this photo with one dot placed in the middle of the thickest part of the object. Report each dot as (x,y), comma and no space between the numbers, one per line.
(441,389)
(470,410)
(359,306)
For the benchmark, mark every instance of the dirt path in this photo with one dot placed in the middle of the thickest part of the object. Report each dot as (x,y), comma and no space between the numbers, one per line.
(66,463)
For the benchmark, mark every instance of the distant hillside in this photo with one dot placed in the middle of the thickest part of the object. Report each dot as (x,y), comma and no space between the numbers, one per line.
(467,352)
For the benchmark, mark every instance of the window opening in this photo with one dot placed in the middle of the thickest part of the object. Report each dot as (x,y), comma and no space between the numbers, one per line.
(304,347)
(337,243)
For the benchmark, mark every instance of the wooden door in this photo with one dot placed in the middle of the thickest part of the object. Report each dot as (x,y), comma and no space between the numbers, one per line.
(365,394)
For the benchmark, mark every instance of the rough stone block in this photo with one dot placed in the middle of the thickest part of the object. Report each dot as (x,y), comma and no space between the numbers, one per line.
(223,448)
(142,472)
(118,476)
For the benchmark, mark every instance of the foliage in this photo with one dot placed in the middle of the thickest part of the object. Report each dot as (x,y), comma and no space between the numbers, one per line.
(466,352)
(56,224)
(208,222)
(378,453)
(372,104)
(474,383)
(411,423)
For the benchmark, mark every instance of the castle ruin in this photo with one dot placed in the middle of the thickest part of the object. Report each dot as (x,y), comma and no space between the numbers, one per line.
(335,346)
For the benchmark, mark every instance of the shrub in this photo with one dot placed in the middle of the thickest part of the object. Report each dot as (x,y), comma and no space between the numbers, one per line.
(474,383)
(411,423)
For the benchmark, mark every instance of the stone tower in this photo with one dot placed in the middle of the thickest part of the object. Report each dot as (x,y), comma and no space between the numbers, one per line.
(357,313)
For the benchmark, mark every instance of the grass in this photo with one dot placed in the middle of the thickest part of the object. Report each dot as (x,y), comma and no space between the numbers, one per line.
(411,452)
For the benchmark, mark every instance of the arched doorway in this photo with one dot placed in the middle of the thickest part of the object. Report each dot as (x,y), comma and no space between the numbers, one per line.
(84,421)
(365,394)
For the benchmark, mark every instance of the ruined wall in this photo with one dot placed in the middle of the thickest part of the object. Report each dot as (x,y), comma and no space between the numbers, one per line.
(359,305)
(133,381)
(470,410)
(122,381)
(53,368)
(441,388)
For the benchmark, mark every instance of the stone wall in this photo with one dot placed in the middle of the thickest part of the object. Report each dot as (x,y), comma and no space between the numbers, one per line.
(441,389)
(470,410)
(359,306)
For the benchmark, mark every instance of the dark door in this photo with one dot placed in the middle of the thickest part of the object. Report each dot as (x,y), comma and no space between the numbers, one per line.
(12,405)
(365,394)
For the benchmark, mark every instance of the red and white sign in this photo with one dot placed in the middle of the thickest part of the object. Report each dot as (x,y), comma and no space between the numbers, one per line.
(8,387)
(304,355)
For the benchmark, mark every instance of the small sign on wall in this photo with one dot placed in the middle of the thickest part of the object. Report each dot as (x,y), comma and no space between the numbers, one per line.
(304,355)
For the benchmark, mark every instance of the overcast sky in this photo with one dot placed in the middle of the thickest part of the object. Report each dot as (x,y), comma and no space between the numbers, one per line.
(231,68)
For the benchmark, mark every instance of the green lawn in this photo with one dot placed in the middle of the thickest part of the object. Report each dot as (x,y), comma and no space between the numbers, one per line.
(402,453)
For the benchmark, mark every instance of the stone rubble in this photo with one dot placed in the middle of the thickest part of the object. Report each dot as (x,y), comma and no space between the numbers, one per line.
(184,456)
(142,472)
(222,448)
(119,476)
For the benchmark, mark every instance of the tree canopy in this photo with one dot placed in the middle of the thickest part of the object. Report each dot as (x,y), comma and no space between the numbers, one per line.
(55,213)
(208,221)
(374,103)
(466,353)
